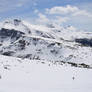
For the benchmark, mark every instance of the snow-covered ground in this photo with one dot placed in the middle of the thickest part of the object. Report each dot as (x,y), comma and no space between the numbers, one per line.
(18,75)
(49,58)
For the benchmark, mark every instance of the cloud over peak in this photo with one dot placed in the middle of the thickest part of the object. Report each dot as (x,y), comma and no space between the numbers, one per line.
(65,15)
(72,10)
(62,10)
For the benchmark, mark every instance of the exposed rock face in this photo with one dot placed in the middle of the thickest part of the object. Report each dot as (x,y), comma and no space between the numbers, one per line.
(10,33)
(84,41)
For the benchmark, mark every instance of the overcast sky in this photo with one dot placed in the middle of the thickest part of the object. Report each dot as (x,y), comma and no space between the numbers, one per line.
(65,12)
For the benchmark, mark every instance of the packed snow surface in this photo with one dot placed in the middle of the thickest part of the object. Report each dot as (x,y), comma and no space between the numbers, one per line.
(18,75)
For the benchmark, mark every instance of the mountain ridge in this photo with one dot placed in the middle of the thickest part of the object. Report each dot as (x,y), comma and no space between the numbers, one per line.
(37,42)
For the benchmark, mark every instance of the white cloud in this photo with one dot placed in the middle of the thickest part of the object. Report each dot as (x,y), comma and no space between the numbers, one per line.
(42,18)
(68,15)
(71,10)
(82,13)
(36,11)
(62,10)
(6,5)
(59,20)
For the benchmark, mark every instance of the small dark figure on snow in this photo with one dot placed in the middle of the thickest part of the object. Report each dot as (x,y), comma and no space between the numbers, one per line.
(0,76)
(73,78)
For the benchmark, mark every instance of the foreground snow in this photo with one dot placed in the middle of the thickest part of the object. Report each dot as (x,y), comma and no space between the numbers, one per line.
(39,76)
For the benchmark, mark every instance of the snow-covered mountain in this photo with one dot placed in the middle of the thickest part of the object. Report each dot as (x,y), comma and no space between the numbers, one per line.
(39,42)
(38,58)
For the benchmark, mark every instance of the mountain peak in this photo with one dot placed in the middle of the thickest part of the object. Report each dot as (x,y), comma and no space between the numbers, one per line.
(15,22)
(50,31)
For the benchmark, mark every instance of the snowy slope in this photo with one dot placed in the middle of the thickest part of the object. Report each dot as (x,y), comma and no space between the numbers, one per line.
(41,58)
(15,24)
(37,42)
(27,28)
(56,32)
(33,76)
